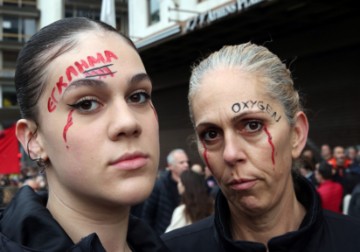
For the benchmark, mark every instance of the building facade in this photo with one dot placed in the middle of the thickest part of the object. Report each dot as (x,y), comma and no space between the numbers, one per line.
(318,40)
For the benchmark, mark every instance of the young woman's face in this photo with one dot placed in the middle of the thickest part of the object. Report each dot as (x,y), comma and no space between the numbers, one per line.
(98,126)
(245,139)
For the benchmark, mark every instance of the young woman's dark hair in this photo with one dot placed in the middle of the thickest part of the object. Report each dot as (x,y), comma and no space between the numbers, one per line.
(198,202)
(42,48)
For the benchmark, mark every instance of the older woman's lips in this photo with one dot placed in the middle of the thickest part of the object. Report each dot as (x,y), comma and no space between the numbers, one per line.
(130,161)
(242,185)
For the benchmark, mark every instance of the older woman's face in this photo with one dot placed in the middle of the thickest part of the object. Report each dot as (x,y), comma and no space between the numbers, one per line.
(245,139)
(97,123)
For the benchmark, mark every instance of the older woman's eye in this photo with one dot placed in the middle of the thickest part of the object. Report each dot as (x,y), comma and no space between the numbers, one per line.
(86,105)
(139,97)
(209,135)
(253,126)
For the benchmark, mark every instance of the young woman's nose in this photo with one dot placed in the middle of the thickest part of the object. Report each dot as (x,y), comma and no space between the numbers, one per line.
(123,122)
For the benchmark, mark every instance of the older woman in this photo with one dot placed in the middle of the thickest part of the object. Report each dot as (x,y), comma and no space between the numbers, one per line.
(250,127)
(88,120)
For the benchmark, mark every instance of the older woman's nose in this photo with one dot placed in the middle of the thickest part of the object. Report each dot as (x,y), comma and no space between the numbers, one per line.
(233,149)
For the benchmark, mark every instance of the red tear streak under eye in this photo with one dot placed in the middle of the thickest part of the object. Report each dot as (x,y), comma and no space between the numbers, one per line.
(271,144)
(205,155)
(68,124)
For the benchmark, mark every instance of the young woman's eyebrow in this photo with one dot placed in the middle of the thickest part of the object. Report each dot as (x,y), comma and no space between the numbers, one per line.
(137,78)
(99,84)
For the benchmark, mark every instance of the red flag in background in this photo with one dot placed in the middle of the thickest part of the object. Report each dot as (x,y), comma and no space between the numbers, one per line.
(9,150)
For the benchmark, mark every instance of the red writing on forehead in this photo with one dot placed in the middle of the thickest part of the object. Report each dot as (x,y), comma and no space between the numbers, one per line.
(100,72)
(69,122)
(79,67)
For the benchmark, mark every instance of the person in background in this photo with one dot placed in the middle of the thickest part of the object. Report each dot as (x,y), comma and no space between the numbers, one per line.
(307,169)
(351,154)
(211,183)
(157,210)
(88,121)
(198,168)
(325,152)
(250,127)
(339,161)
(331,193)
(196,203)
(341,173)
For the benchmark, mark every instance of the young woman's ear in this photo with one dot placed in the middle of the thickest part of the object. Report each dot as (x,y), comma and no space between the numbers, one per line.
(26,133)
(299,134)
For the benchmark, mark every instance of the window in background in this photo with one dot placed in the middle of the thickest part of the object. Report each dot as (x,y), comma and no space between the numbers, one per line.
(8,96)
(153,11)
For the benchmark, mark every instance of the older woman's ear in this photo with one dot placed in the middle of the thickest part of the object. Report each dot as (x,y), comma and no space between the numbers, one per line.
(26,133)
(299,134)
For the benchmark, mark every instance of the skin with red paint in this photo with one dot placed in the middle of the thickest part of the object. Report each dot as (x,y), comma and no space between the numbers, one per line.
(271,144)
(68,124)
(205,156)
(97,132)
(103,126)
(241,144)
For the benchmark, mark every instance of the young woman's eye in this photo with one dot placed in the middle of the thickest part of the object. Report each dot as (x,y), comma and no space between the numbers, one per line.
(139,97)
(253,126)
(86,105)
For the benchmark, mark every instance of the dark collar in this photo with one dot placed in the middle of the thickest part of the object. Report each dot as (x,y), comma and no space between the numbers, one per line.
(28,222)
(294,241)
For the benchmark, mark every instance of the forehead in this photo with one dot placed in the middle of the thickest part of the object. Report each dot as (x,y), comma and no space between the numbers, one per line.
(89,50)
(223,87)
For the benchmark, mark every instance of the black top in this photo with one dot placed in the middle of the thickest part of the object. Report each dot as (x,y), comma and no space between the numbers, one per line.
(158,208)
(27,225)
(320,230)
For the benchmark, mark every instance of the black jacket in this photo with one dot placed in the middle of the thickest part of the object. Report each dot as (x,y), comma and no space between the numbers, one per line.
(159,207)
(27,225)
(320,231)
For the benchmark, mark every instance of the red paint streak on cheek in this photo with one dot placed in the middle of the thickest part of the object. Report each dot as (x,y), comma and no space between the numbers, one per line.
(205,156)
(67,126)
(271,144)
(153,108)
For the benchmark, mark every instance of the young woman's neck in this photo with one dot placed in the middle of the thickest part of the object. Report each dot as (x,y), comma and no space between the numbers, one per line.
(81,218)
(285,217)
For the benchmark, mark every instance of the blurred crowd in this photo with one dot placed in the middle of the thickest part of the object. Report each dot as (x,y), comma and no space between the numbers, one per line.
(184,192)
(10,183)
(336,176)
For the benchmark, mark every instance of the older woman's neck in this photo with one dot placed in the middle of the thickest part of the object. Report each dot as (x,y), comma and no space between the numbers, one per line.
(285,217)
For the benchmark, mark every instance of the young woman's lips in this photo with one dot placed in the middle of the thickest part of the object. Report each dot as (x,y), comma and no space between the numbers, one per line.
(129,162)
(242,185)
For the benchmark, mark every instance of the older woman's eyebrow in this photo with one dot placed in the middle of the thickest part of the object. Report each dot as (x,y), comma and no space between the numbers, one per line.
(137,78)
(239,116)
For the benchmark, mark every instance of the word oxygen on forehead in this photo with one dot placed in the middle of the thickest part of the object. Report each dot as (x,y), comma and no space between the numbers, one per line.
(79,67)
(250,104)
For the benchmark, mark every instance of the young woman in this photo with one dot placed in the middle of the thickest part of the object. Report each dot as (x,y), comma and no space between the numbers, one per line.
(88,120)
(196,203)
(250,127)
